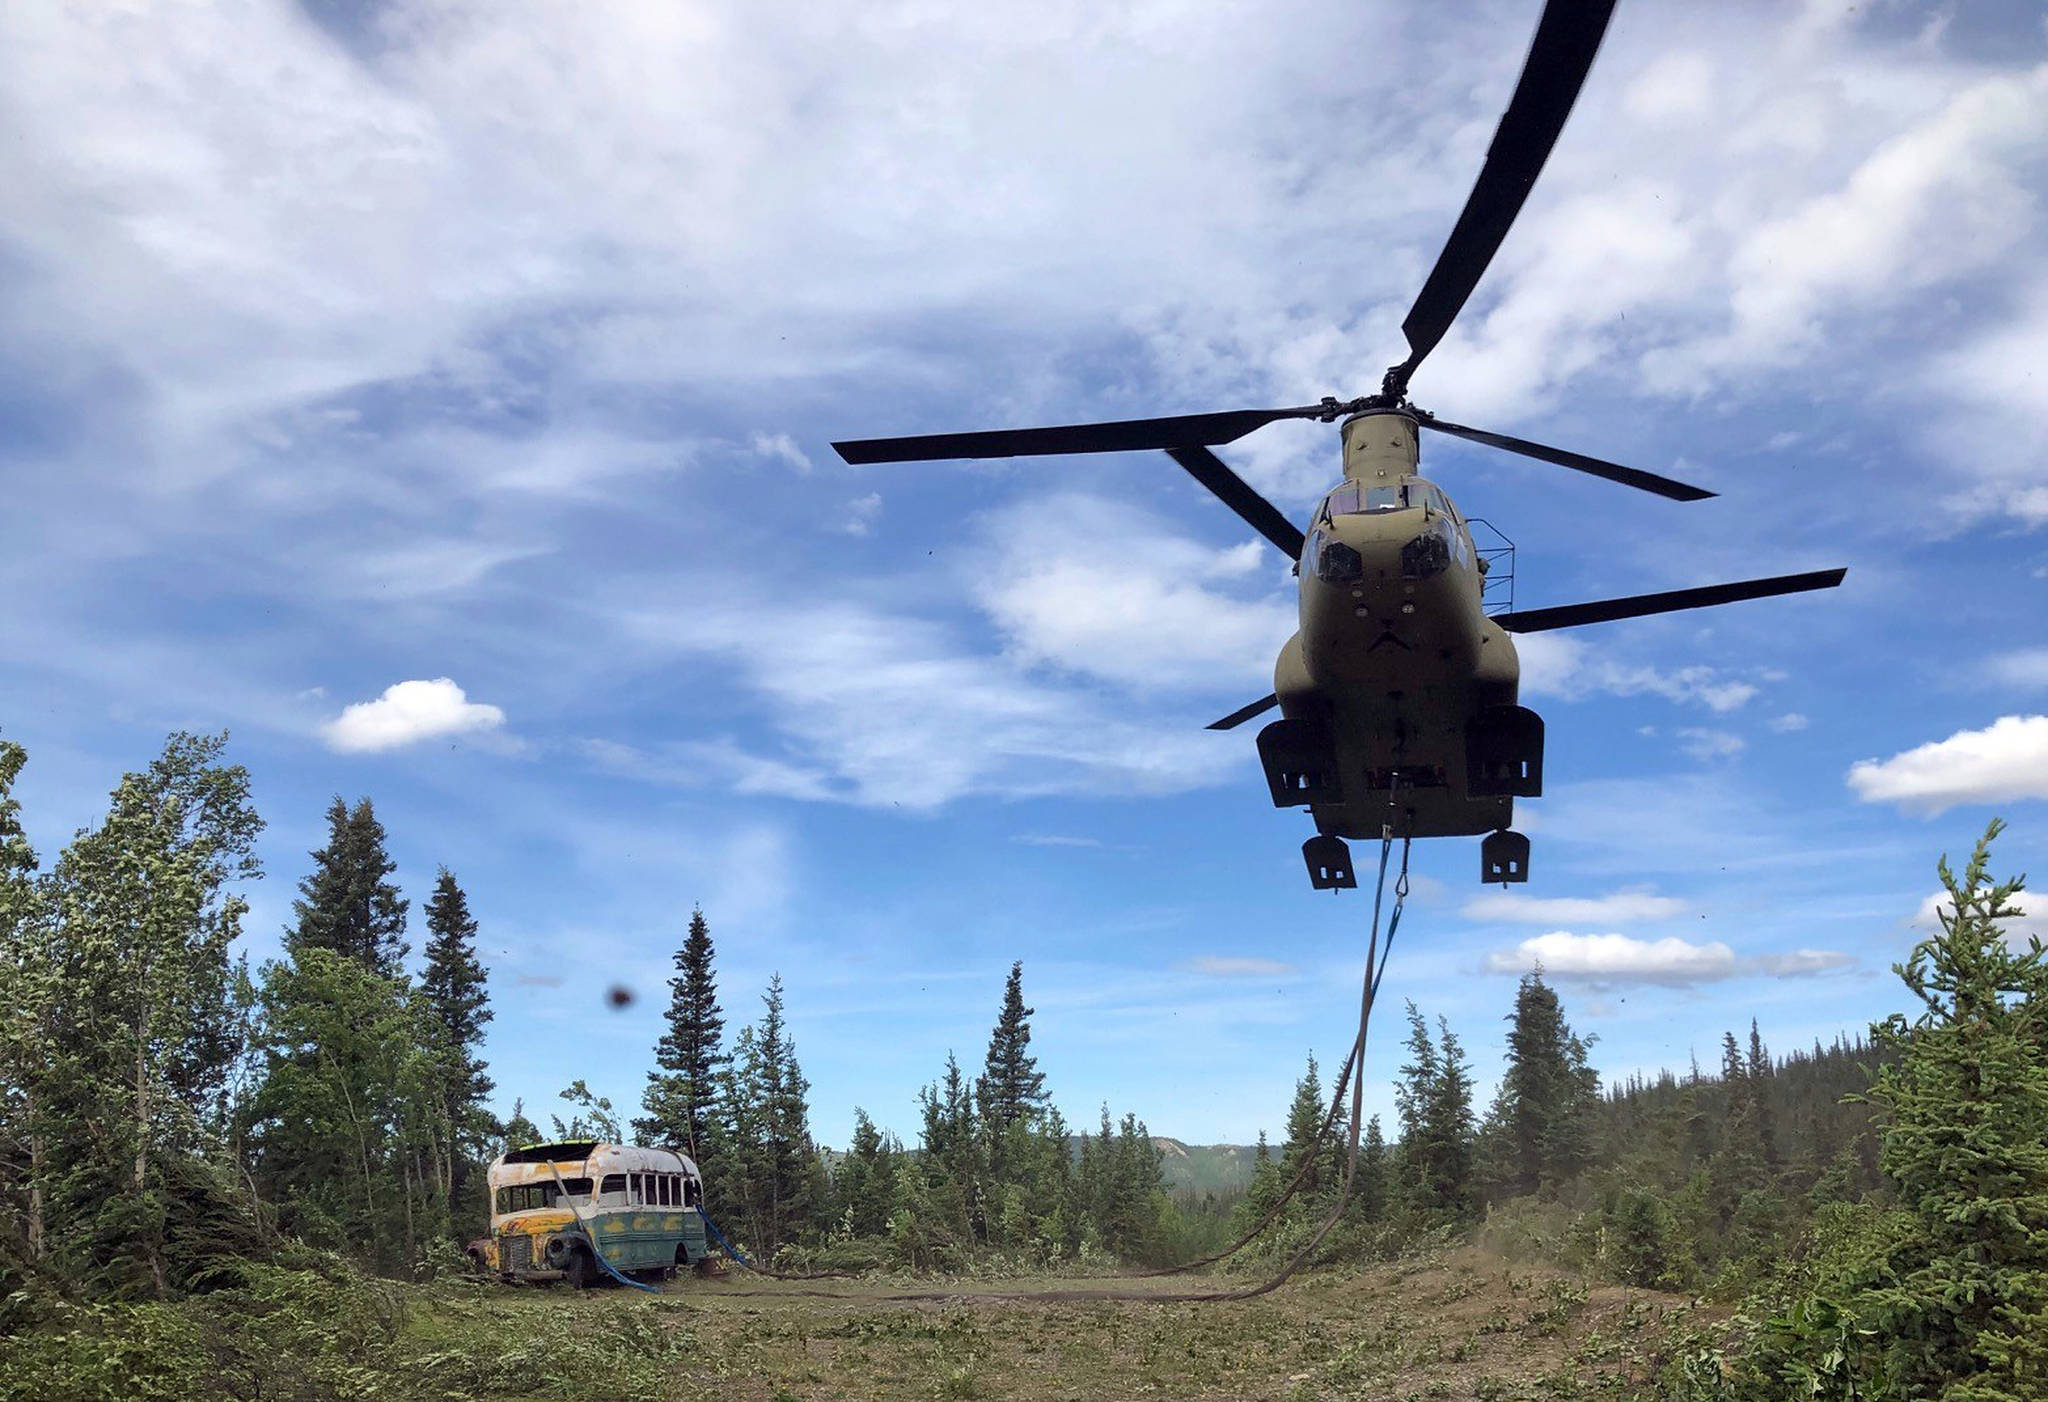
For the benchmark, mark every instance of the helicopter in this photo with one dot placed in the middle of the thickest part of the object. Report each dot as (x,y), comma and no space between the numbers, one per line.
(1398,694)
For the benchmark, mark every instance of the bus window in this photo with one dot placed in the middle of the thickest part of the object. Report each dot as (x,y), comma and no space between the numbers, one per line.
(576,1187)
(525,1197)
(668,1189)
(661,1190)
(613,1183)
(692,1191)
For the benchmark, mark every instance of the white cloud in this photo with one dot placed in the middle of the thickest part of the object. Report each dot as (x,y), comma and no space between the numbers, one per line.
(1789,723)
(2006,761)
(1568,957)
(1608,960)
(1053,839)
(409,712)
(1940,198)
(1628,906)
(1238,966)
(2029,917)
(1093,587)
(1707,744)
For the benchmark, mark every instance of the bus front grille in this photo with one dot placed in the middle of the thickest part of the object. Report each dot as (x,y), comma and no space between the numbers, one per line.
(515,1252)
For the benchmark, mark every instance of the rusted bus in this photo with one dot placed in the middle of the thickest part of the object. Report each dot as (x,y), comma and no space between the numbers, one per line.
(550,1203)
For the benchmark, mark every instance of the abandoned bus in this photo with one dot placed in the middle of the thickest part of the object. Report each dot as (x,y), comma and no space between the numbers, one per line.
(549,1202)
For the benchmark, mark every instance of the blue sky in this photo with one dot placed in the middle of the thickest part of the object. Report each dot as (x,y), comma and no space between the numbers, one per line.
(490,352)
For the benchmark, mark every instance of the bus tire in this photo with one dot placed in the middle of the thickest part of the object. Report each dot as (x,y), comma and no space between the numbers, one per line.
(580,1271)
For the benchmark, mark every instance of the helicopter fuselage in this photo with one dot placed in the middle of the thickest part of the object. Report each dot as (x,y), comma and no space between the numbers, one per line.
(1394,658)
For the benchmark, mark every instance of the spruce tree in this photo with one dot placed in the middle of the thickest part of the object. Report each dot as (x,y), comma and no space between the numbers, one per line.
(1413,1096)
(1304,1120)
(953,1158)
(866,1182)
(1011,1088)
(1757,1069)
(1369,1192)
(682,1090)
(1434,1097)
(346,904)
(457,1009)
(770,1121)
(1542,1117)
(1963,1298)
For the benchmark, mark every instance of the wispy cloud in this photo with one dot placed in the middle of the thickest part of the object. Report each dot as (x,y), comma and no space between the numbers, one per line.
(783,448)
(1239,966)
(1556,665)
(2023,668)
(1628,906)
(898,710)
(1708,744)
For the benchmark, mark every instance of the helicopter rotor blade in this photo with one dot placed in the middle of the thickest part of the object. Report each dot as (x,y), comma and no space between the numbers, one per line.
(1234,492)
(1671,601)
(1598,467)
(1561,54)
(1245,713)
(1173,431)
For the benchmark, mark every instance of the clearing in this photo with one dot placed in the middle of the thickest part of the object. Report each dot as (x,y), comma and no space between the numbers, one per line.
(1460,1324)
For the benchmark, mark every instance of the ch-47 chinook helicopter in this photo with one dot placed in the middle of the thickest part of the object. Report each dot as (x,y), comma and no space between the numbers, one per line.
(1398,694)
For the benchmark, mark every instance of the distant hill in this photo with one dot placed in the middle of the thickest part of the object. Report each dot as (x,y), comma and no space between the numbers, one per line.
(1206,1168)
(1190,1168)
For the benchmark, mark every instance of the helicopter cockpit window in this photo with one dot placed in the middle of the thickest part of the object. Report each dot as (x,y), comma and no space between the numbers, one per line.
(1351,499)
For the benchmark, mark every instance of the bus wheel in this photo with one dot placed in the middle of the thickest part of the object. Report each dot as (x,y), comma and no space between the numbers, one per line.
(581,1270)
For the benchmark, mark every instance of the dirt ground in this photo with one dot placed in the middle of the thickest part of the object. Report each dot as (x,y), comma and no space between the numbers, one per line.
(1460,1325)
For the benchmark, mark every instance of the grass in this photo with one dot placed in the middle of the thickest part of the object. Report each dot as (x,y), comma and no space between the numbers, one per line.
(1458,1326)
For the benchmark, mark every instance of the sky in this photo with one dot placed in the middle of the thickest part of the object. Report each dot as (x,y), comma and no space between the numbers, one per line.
(437,396)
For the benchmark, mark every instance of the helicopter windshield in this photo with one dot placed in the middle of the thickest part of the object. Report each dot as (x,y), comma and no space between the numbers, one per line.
(1352,499)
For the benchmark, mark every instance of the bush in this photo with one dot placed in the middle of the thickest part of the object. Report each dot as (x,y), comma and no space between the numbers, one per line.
(1639,1241)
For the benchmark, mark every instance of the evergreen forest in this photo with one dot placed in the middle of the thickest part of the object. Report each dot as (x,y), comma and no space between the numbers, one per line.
(205,1159)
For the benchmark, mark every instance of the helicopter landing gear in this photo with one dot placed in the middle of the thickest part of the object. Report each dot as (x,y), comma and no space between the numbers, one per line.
(1504,857)
(1300,760)
(1329,863)
(1504,753)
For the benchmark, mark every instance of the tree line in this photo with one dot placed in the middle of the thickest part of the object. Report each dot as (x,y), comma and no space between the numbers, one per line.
(167,1111)
(994,1169)
(169,1115)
